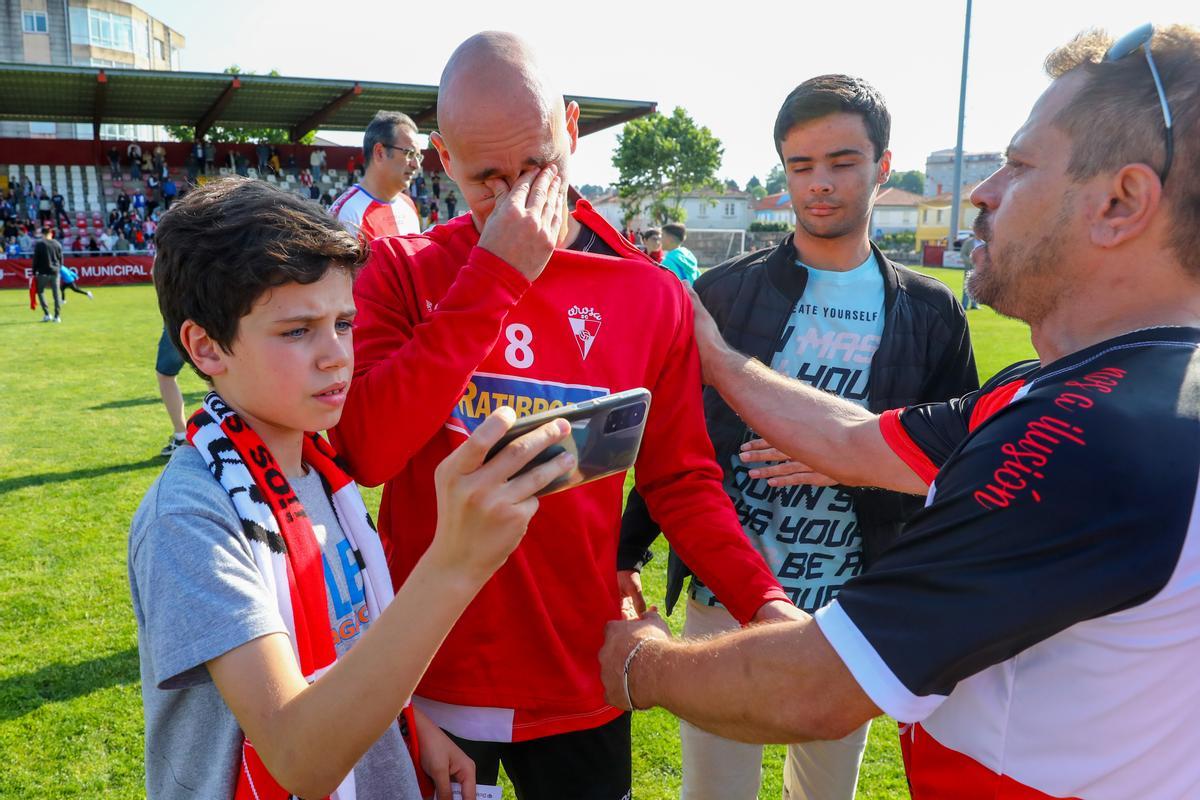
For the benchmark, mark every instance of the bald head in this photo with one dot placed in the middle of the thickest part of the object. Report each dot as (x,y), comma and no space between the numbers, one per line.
(494,73)
(499,116)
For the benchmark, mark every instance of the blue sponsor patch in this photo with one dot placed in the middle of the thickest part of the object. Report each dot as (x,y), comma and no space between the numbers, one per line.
(487,392)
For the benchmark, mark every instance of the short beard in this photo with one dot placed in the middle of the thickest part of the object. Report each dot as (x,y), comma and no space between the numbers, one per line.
(1025,279)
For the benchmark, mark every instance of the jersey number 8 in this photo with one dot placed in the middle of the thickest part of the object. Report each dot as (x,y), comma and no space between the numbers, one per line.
(518,352)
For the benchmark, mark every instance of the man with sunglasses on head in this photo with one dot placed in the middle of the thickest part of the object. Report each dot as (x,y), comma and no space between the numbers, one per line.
(379,204)
(1034,628)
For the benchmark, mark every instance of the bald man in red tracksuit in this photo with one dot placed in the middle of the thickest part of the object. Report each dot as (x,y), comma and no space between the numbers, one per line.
(446,333)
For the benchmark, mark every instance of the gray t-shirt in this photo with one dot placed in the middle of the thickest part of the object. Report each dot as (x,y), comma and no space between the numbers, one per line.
(197,595)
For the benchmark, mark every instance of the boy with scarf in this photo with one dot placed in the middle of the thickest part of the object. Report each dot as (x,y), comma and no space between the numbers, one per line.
(253,564)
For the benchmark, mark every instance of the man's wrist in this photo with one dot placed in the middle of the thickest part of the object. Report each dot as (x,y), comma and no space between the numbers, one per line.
(640,684)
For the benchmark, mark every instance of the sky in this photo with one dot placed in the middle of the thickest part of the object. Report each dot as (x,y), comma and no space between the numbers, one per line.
(729,64)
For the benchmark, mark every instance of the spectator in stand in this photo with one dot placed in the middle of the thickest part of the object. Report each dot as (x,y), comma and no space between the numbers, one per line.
(107,241)
(7,212)
(47,260)
(154,193)
(169,191)
(44,206)
(147,164)
(25,241)
(351,169)
(316,163)
(122,244)
(114,218)
(241,165)
(419,182)
(210,157)
(11,248)
(652,244)
(195,161)
(306,178)
(378,205)
(139,204)
(263,151)
(451,204)
(273,161)
(160,158)
(676,257)
(93,244)
(79,243)
(60,211)
(149,228)
(292,168)
(434,216)
(123,202)
(164,171)
(114,160)
(435,184)
(139,239)
(327,199)
(134,151)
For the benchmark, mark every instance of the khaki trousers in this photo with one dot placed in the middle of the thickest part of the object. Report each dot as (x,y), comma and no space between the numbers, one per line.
(715,768)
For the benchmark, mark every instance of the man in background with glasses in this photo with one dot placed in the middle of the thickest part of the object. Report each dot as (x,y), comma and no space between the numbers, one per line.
(1034,628)
(379,204)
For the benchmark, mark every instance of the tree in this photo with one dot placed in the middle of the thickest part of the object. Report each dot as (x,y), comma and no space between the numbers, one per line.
(732,185)
(221,133)
(662,158)
(754,187)
(591,191)
(776,180)
(911,181)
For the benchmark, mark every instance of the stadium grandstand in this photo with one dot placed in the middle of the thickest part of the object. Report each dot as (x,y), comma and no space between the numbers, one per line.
(104,200)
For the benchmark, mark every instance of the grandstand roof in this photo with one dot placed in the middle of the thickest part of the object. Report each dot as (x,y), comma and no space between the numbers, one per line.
(97,95)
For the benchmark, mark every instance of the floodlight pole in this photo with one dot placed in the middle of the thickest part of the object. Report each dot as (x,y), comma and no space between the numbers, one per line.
(958,147)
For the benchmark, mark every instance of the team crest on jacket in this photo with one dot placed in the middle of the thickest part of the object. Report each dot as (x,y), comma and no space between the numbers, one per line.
(585,323)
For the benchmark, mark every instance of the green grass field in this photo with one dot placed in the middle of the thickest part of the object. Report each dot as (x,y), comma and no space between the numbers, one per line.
(80,429)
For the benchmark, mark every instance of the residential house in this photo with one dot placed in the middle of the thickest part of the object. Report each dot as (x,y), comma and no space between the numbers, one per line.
(933,216)
(775,208)
(895,211)
(703,210)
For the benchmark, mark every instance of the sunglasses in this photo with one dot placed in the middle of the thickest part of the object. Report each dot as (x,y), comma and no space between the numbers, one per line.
(1130,43)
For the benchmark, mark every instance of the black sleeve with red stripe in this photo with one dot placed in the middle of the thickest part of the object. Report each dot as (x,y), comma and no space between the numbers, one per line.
(1071,503)
(925,435)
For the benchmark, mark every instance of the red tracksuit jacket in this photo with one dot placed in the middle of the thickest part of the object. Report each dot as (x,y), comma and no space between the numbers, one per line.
(447,332)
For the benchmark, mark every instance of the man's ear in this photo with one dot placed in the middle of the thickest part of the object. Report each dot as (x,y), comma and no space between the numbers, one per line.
(206,354)
(573,124)
(885,168)
(439,144)
(1124,206)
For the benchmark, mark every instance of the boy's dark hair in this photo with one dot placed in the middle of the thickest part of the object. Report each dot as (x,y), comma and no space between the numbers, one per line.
(676,229)
(834,94)
(229,241)
(650,232)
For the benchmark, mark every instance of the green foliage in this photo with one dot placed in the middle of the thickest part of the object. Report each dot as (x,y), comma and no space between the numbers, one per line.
(221,133)
(662,158)
(769,227)
(732,185)
(591,191)
(776,180)
(904,240)
(754,187)
(73,468)
(912,180)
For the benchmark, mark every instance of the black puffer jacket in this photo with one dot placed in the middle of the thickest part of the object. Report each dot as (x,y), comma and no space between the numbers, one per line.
(924,356)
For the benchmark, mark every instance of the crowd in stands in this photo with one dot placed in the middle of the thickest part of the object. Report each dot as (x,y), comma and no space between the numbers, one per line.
(134,209)
(130,225)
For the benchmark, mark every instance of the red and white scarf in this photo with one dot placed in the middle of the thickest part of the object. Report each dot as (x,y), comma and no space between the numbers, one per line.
(288,556)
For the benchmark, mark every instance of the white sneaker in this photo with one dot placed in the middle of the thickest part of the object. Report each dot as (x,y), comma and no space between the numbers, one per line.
(90,295)
(58,319)
(46,318)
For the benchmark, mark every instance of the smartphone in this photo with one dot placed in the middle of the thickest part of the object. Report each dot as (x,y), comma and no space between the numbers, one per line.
(606,433)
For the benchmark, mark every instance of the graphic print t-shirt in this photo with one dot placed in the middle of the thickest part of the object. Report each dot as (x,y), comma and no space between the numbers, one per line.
(385,771)
(809,534)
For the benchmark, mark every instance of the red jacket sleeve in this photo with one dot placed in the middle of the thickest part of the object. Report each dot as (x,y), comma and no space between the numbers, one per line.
(678,476)
(412,364)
